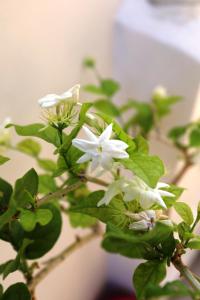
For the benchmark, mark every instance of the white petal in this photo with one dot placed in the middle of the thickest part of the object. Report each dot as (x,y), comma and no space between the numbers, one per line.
(106,161)
(147,199)
(161,185)
(94,164)
(140,225)
(151,214)
(84,145)
(84,158)
(160,202)
(106,134)
(48,101)
(167,222)
(165,193)
(90,134)
(119,154)
(111,192)
(118,144)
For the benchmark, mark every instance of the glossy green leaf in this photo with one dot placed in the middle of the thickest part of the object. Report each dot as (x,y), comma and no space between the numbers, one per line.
(47,133)
(194,243)
(172,289)
(151,272)
(148,168)
(5,194)
(25,188)
(43,216)
(17,291)
(28,220)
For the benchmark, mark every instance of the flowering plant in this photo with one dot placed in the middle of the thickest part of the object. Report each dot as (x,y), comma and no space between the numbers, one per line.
(133,203)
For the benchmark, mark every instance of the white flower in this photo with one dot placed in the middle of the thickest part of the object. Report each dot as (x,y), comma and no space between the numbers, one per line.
(143,221)
(160,92)
(5,132)
(147,196)
(146,220)
(137,189)
(51,100)
(100,149)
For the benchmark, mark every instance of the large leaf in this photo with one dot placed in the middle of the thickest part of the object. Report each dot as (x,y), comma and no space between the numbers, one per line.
(148,273)
(171,289)
(44,237)
(5,194)
(148,168)
(17,291)
(47,133)
(113,213)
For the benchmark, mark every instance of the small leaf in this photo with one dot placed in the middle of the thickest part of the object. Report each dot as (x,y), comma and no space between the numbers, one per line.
(30,147)
(93,89)
(109,87)
(194,243)
(195,137)
(47,164)
(173,289)
(106,107)
(46,184)
(89,62)
(3,159)
(177,132)
(81,220)
(17,291)
(28,220)
(25,188)
(47,133)
(151,272)
(184,211)
(43,216)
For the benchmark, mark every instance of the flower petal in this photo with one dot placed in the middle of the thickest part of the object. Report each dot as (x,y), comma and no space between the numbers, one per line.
(106,134)
(140,225)
(85,157)
(84,145)
(90,134)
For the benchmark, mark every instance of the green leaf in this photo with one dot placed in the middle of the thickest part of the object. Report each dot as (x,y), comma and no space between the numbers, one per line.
(151,272)
(17,291)
(148,168)
(28,220)
(81,220)
(163,105)
(177,132)
(3,159)
(184,211)
(109,87)
(106,107)
(46,184)
(176,191)
(43,216)
(25,188)
(172,289)
(30,147)
(195,137)
(141,144)
(184,231)
(47,164)
(89,62)
(194,243)
(113,213)
(93,89)
(49,232)
(47,133)
(5,194)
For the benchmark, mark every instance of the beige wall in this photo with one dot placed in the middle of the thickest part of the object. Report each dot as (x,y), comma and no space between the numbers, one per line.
(42,45)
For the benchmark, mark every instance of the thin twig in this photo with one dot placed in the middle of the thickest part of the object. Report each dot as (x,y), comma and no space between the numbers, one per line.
(96,180)
(60,193)
(52,263)
(181,172)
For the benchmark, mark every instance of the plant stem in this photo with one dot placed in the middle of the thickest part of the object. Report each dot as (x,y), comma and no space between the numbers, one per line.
(96,180)
(60,193)
(52,263)
(187,274)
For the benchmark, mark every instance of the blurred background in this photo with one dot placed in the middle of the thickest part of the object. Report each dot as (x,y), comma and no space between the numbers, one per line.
(142,44)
